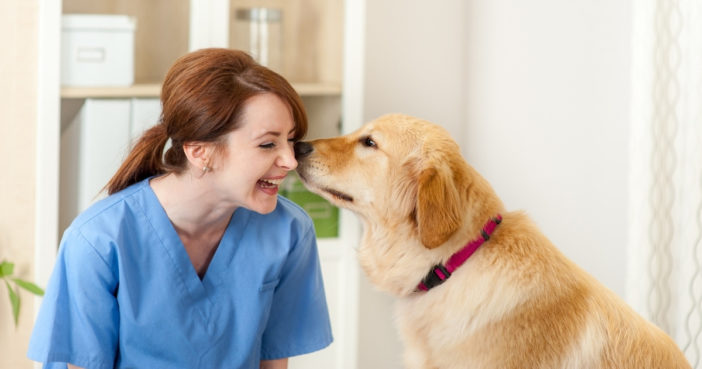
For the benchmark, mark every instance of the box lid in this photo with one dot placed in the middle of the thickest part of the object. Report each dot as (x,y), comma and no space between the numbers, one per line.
(101,22)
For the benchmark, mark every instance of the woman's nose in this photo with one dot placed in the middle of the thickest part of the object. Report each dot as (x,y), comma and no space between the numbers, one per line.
(287,159)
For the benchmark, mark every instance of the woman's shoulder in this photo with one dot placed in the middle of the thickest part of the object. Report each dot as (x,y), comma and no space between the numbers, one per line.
(287,208)
(106,223)
(111,209)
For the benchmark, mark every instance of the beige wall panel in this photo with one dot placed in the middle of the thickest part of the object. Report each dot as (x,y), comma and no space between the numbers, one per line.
(18,79)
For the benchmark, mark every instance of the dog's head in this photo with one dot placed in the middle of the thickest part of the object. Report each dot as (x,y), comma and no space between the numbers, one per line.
(396,171)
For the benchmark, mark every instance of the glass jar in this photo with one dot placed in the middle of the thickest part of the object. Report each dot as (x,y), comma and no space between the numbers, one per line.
(259,32)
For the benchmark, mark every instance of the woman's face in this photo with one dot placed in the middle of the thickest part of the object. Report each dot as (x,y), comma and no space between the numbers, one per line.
(258,155)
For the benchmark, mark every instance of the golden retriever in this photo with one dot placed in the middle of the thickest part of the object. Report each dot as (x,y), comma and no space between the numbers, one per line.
(516,302)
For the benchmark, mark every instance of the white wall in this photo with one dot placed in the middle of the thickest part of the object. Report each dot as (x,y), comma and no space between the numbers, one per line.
(537,95)
(547,113)
(414,60)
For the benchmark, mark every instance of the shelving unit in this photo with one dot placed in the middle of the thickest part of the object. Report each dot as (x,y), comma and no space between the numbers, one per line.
(312,42)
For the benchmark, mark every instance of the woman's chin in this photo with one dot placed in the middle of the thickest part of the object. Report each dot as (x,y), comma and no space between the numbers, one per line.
(265,206)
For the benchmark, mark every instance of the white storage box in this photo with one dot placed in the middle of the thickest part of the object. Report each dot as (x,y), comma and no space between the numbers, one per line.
(97,50)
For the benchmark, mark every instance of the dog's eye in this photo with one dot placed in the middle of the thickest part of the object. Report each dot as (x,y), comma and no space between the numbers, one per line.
(368,142)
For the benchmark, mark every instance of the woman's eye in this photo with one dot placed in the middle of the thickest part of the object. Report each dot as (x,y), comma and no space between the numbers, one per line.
(368,142)
(269,145)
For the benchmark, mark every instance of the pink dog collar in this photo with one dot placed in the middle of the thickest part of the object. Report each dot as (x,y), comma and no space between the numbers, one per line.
(440,273)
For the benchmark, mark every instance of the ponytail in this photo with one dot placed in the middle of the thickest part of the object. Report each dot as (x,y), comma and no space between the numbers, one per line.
(142,162)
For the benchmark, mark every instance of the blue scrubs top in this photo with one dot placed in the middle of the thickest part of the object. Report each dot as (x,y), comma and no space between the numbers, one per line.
(124,294)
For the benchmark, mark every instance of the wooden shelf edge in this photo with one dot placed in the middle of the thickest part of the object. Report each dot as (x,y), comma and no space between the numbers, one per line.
(317,89)
(154,90)
(138,90)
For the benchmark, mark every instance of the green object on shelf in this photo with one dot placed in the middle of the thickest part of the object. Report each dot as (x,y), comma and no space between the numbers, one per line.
(324,215)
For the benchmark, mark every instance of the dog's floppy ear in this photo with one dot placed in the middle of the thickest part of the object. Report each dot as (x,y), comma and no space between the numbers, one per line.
(438,206)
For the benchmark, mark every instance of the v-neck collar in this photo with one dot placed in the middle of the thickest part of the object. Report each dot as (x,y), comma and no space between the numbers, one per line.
(178,256)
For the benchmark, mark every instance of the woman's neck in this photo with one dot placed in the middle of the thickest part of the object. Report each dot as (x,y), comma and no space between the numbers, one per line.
(190,206)
(197,217)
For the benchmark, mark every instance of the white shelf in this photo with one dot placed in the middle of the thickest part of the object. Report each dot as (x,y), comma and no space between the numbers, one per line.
(154,90)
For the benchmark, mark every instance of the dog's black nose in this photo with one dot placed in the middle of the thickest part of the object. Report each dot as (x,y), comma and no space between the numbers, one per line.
(302,149)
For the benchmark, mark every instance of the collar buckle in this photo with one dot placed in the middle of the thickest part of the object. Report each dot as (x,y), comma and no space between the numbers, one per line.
(438,275)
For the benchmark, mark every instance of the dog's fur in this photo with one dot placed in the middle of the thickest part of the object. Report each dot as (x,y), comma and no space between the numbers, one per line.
(516,303)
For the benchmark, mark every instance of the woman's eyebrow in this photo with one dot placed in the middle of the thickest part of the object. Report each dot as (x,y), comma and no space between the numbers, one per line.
(274,133)
(271,133)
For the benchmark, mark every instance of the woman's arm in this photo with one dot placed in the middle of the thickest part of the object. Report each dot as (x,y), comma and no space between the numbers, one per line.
(71,366)
(274,364)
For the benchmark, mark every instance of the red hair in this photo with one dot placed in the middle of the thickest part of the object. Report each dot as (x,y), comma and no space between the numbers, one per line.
(202,100)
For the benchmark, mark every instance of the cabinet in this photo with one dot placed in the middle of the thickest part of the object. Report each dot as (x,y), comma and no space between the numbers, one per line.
(106,120)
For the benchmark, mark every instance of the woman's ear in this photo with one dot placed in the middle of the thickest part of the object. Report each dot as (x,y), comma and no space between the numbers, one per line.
(199,154)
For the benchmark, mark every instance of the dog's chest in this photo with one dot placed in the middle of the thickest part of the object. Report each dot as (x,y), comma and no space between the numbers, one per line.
(452,319)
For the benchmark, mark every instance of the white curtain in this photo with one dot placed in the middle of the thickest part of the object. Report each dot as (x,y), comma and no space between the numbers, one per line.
(665,236)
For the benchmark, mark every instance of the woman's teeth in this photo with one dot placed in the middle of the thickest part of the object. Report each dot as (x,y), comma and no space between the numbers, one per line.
(270,183)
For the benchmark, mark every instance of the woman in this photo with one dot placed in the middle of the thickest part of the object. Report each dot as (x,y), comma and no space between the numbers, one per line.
(193,261)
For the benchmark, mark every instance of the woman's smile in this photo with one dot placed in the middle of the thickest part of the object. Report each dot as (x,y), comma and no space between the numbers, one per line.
(269,185)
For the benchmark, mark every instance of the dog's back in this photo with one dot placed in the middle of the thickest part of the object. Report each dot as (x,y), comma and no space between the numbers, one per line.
(607,332)
(520,303)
